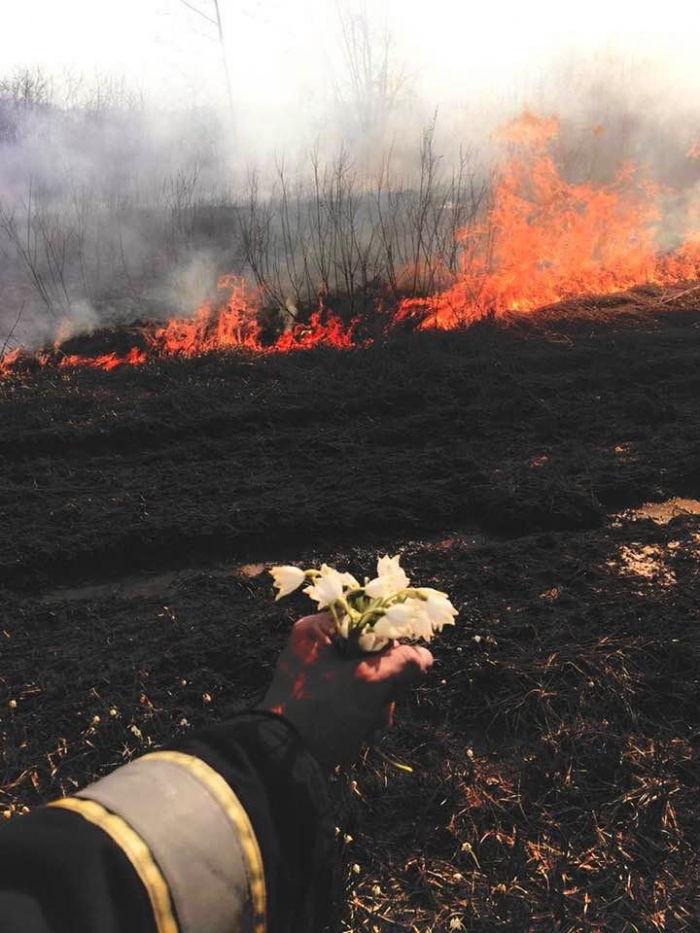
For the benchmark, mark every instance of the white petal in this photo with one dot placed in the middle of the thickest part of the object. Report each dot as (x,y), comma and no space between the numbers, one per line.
(439,610)
(391,567)
(390,578)
(422,626)
(401,616)
(287,579)
(326,589)
(368,641)
(379,588)
(385,629)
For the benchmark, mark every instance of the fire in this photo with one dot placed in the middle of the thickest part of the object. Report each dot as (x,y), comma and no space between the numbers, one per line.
(235,324)
(545,240)
(106,361)
(231,323)
(542,240)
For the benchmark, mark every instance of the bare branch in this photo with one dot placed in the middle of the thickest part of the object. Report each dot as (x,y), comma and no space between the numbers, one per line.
(201,13)
(12,330)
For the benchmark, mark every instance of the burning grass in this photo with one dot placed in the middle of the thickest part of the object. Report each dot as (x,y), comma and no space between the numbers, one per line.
(540,239)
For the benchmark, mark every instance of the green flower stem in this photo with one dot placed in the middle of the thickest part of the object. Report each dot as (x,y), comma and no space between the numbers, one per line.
(368,613)
(399,765)
(345,605)
(335,615)
(409,593)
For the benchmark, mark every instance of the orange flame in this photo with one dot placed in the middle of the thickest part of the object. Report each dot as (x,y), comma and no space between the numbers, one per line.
(108,361)
(235,323)
(543,240)
(232,324)
(546,240)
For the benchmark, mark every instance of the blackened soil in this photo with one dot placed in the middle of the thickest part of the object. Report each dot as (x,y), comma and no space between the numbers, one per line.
(555,742)
(519,428)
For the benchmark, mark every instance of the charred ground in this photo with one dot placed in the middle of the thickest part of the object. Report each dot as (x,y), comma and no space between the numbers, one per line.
(557,782)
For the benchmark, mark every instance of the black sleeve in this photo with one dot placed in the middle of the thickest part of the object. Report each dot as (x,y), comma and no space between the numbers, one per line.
(286,796)
(59,872)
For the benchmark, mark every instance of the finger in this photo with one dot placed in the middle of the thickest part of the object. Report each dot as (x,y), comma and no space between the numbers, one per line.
(325,623)
(405,664)
(320,625)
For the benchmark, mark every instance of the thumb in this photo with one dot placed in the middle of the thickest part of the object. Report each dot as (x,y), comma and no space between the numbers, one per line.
(404,665)
(399,667)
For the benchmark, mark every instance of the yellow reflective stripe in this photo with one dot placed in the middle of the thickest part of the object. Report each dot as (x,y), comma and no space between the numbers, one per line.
(236,812)
(136,851)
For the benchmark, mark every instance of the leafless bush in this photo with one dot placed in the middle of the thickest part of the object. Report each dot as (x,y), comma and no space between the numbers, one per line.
(180,192)
(27,88)
(336,234)
(88,215)
(422,223)
(45,247)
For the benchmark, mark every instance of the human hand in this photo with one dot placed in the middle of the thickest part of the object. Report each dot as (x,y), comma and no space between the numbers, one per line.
(335,701)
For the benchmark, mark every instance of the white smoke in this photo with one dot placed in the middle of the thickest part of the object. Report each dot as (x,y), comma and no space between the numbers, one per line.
(122,191)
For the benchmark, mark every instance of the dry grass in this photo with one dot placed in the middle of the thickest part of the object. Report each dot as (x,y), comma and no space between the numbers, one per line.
(557,770)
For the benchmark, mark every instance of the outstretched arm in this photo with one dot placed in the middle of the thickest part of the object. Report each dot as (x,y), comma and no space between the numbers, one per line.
(227,829)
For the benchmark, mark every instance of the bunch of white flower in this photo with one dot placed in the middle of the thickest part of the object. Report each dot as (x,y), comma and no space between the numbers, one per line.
(373,614)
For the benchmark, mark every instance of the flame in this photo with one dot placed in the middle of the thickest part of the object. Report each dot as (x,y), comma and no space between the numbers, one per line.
(543,240)
(546,240)
(9,360)
(234,323)
(108,361)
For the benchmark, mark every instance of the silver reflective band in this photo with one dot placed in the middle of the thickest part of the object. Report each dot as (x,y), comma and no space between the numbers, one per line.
(200,836)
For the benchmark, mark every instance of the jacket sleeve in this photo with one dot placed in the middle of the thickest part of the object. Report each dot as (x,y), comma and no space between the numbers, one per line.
(226,831)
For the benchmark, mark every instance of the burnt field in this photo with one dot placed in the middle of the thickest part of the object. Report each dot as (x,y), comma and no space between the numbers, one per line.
(555,744)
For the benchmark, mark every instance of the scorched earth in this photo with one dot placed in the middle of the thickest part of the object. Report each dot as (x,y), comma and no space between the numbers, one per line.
(556,781)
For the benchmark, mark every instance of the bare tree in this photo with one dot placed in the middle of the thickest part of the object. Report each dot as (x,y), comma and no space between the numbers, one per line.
(373,84)
(211,14)
(28,88)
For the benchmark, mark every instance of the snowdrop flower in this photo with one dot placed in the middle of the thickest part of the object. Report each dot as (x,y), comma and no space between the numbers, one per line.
(327,588)
(390,579)
(343,627)
(396,622)
(369,641)
(371,617)
(349,582)
(287,579)
(405,620)
(438,608)
(422,624)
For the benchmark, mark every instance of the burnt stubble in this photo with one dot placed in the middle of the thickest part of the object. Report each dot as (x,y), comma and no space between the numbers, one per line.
(554,746)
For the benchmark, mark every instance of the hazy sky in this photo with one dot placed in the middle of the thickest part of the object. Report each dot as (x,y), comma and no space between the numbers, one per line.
(284,50)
